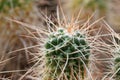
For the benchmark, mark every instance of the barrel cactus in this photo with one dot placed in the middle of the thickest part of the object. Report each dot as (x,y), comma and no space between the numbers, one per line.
(67,55)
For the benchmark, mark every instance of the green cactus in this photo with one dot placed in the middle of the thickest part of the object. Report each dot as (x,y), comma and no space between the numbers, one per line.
(70,49)
(117,65)
(117,68)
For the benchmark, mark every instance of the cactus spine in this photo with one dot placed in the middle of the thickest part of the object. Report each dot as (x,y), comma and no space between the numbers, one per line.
(67,53)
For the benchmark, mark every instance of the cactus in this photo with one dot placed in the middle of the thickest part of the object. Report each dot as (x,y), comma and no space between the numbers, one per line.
(117,66)
(66,52)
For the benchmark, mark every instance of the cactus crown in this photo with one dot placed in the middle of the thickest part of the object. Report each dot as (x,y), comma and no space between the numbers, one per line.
(62,47)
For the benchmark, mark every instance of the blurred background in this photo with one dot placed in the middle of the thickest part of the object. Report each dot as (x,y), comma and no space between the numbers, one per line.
(15,57)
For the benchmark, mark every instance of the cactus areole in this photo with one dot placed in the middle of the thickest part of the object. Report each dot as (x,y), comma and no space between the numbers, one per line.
(67,53)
